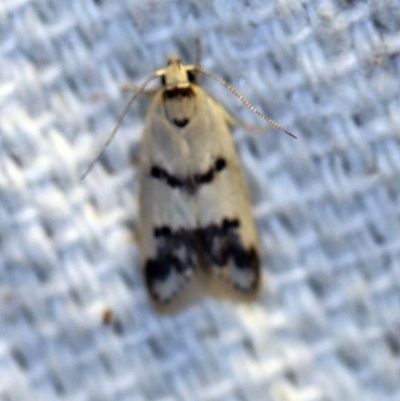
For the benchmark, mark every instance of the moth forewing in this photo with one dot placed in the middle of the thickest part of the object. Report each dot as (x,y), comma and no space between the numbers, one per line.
(225,211)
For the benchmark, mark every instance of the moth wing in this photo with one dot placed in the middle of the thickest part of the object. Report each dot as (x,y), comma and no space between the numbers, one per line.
(167,217)
(226,222)
(233,250)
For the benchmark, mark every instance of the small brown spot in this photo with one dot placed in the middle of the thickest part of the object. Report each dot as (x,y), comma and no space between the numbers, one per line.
(108,316)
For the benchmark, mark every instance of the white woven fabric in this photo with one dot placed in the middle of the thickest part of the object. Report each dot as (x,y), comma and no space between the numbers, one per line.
(327,204)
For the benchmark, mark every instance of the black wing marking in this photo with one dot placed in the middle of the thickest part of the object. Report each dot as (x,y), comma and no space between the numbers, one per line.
(180,253)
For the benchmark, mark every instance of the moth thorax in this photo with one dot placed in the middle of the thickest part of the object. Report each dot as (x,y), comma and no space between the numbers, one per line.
(180,105)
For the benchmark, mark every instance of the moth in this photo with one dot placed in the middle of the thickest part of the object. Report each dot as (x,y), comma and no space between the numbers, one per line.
(197,234)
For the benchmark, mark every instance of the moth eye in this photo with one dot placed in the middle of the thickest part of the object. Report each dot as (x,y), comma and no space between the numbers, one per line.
(163,80)
(191,76)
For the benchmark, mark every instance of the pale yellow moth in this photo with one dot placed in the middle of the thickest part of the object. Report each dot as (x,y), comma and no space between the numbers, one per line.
(196,229)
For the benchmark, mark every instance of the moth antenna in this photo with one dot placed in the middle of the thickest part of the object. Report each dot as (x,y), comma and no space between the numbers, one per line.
(243,99)
(139,90)
(199,52)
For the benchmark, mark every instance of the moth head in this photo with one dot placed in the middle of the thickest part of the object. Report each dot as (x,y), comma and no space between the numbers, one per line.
(177,75)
